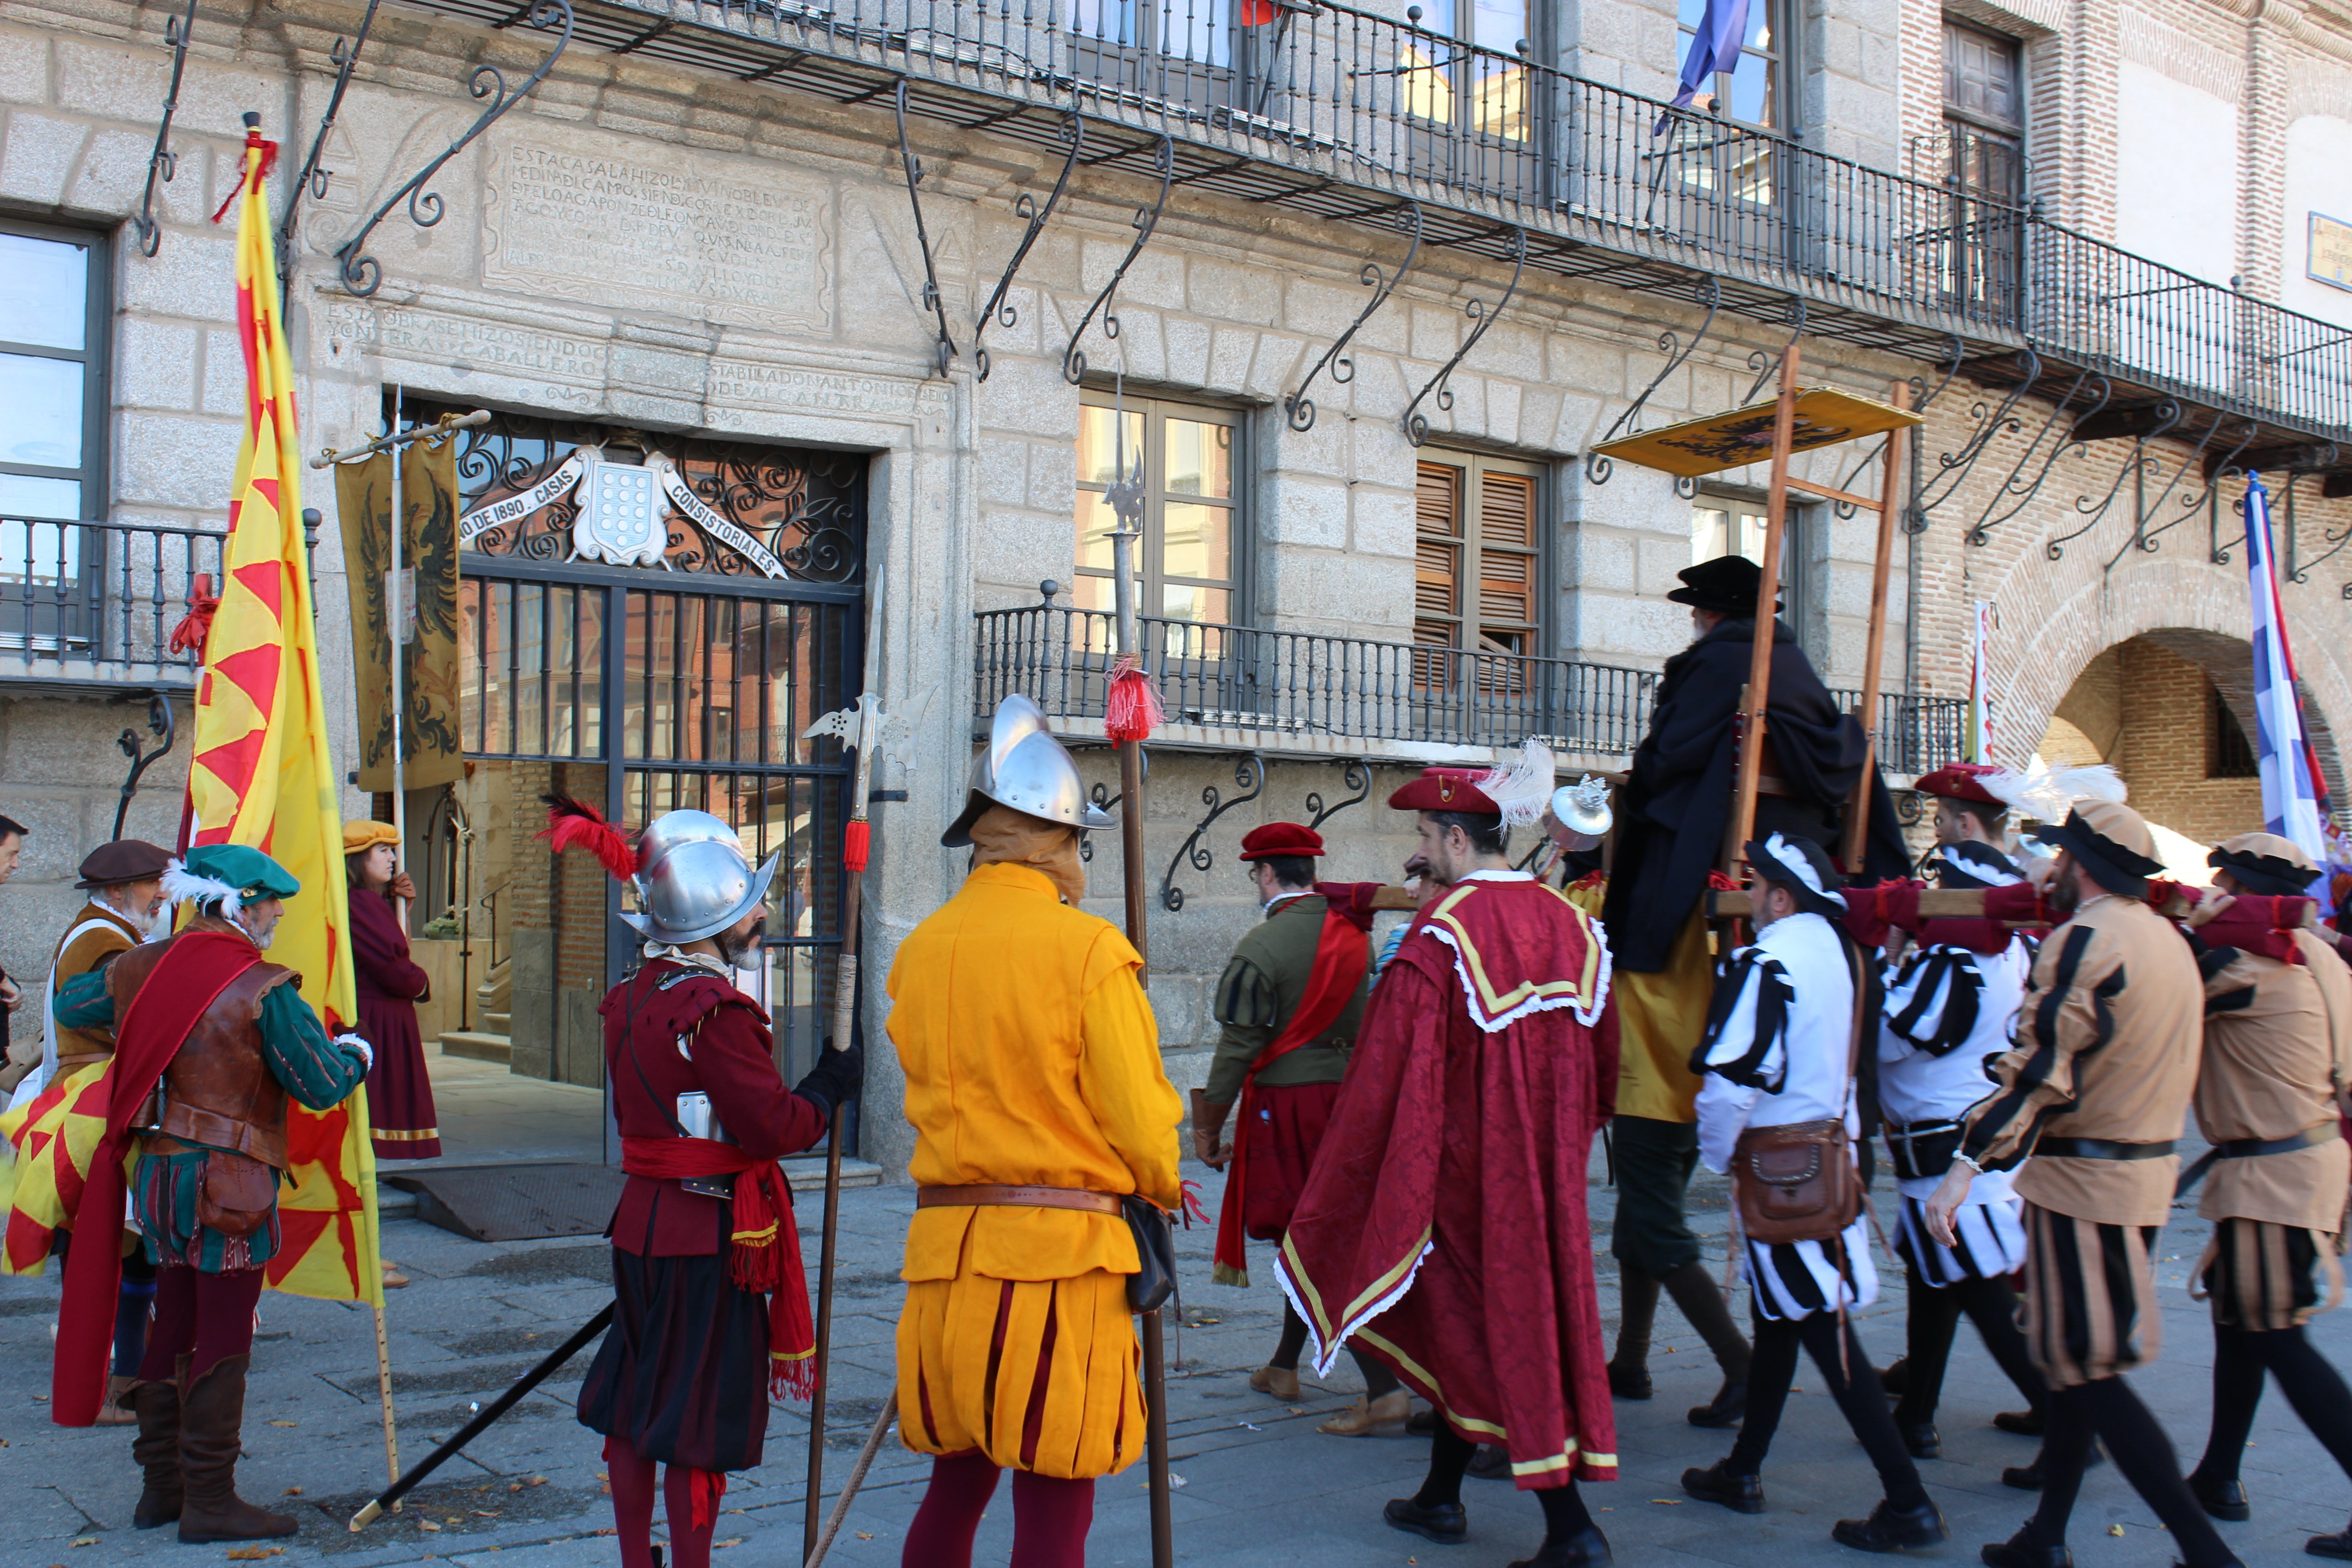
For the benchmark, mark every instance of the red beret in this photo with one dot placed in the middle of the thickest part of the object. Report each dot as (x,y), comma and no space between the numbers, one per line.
(1273,839)
(1446,789)
(1958,780)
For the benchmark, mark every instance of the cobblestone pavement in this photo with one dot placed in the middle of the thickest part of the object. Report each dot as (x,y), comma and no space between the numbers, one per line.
(1260,1486)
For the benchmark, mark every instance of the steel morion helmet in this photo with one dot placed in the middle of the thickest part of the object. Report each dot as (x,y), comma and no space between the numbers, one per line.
(696,881)
(1025,768)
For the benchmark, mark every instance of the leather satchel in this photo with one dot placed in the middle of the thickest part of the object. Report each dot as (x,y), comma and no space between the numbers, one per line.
(238,1194)
(1796,1183)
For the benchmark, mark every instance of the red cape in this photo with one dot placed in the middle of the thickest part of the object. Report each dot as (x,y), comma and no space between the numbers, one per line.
(195,967)
(1445,1225)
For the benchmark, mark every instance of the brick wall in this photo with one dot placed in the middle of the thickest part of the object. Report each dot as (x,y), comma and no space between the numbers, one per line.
(2163,748)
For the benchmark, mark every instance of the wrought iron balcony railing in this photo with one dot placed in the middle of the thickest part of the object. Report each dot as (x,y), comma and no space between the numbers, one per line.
(95,603)
(2123,314)
(1312,690)
(1342,114)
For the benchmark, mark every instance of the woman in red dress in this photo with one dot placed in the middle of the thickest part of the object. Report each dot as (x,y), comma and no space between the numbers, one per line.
(400,1095)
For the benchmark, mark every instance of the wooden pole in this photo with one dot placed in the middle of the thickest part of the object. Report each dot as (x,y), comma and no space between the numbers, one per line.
(384,1392)
(1759,667)
(1130,834)
(1890,508)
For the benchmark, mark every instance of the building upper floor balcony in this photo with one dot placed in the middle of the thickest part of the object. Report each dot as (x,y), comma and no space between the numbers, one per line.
(1303,695)
(1324,110)
(89,605)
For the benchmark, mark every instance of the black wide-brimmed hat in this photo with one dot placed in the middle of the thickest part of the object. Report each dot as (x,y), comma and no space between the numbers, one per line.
(2113,843)
(1726,585)
(2265,863)
(1804,867)
(124,860)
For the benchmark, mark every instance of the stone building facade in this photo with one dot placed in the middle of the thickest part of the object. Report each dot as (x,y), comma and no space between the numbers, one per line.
(700,240)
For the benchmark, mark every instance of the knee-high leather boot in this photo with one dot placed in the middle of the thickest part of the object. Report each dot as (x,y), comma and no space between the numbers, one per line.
(212,1415)
(1637,1309)
(157,1449)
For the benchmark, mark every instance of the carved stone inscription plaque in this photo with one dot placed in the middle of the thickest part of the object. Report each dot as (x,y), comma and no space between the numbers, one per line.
(671,232)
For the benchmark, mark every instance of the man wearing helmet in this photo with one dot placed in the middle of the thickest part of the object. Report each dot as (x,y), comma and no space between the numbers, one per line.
(1038,1100)
(710,1311)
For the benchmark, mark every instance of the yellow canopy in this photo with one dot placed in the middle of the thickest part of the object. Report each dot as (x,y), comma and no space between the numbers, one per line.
(1699,446)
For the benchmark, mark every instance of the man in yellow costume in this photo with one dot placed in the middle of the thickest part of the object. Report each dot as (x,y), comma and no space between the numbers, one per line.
(1038,1100)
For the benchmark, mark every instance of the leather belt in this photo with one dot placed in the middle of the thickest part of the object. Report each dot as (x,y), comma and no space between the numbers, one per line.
(74,1061)
(1017,1198)
(2101,1149)
(2310,1137)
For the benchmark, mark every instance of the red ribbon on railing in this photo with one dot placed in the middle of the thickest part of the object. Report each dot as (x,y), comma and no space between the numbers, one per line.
(194,626)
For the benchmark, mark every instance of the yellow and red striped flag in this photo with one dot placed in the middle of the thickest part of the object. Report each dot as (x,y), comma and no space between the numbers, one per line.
(260,773)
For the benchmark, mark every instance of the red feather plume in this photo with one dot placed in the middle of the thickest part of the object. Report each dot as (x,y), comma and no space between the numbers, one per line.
(575,825)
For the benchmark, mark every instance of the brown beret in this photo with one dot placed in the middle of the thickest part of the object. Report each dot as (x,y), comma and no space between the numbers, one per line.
(124,860)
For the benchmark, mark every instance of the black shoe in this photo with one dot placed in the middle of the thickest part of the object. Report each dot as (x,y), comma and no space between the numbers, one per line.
(1727,1409)
(1896,1379)
(2018,1551)
(1920,1436)
(2222,1500)
(1419,1424)
(1490,1463)
(1892,1528)
(1740,1494)
(1624,1382)
(2339,1545)
(2027,1478)
(1585,1549)
(1446,1523)
(2024,1422)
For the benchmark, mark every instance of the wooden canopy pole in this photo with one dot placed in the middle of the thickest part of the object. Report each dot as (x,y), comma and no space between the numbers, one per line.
(1857,827)
(1768,591)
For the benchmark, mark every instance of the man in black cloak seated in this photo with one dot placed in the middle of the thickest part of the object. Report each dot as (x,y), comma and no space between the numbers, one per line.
(1673,818)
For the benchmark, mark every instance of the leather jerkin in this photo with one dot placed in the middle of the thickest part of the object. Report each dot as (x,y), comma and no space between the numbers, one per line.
(218,1089)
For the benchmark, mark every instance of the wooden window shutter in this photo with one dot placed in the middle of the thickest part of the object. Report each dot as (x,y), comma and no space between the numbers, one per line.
(1506,562)
(1437,554)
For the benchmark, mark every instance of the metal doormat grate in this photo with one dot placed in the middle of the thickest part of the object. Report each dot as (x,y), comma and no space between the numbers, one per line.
(516,1203)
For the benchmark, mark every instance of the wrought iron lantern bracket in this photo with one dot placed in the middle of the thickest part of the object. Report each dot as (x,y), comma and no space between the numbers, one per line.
(1597,466)
(1023,207)
(2162,417)
(1298,408)
(944,350)
(160,721)
(2144,536)
(1146,224)
(1358,776)
(1952,468)
(2015,489)
(312,179)
(163,162)
(1416,425)
(360,272)
(1249,774)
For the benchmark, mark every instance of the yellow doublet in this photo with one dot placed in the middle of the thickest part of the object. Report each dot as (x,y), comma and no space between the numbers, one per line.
(1032,1059)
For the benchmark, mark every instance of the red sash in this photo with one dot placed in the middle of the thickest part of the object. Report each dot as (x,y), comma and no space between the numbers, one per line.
(1341,956)
(195,967)
(767,1251)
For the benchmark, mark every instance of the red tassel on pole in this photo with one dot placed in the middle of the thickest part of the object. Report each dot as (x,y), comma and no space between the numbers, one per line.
(1133,708)
(189,636)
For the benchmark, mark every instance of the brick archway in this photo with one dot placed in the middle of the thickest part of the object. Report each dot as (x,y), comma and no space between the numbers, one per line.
(2054,621)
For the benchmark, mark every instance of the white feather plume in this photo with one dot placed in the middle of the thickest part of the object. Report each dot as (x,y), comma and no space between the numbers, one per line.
(1523,786)
(181,885)
(2048,794)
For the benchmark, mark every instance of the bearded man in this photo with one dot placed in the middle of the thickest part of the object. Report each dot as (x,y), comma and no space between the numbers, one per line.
(228,1040)
(124,880)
